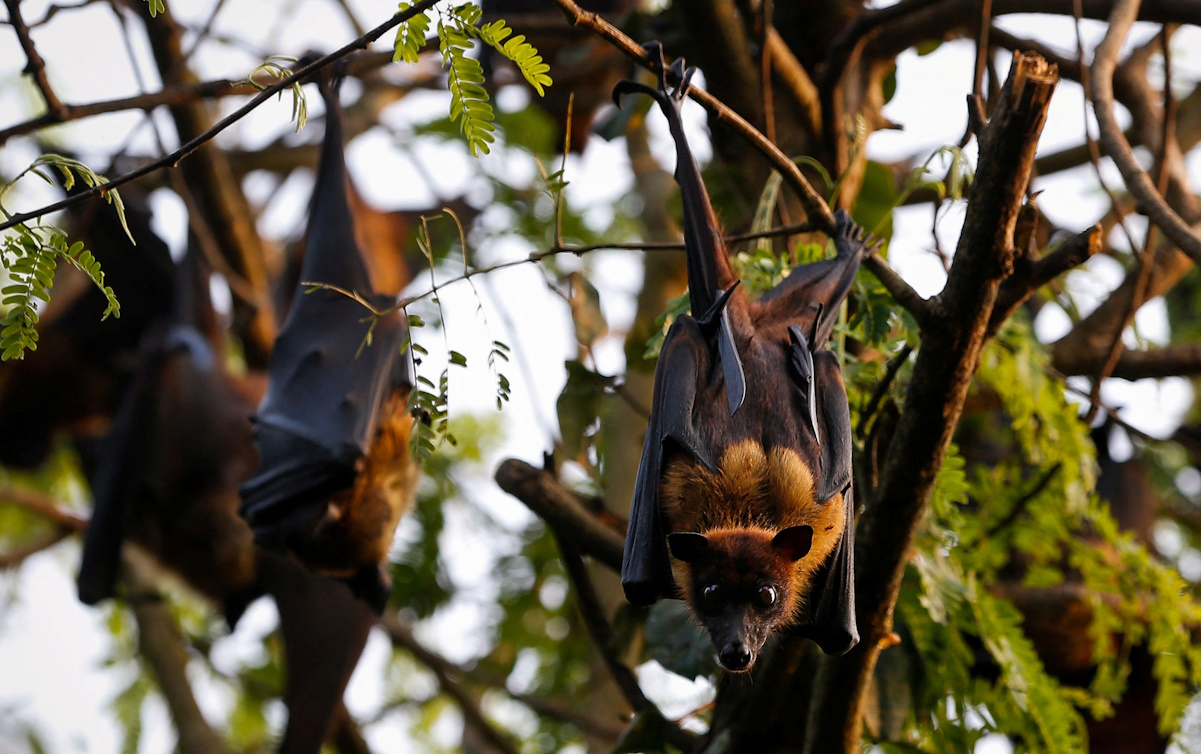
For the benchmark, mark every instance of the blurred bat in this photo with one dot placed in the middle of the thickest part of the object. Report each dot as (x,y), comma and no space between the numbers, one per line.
(335,474)
(746,468)
(73,383)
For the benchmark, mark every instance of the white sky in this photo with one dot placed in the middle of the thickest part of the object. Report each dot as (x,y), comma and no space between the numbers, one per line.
(51,646)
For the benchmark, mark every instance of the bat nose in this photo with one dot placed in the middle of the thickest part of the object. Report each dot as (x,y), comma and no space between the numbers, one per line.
(736,656)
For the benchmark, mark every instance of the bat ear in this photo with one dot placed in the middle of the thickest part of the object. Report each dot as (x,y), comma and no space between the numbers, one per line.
(794,542)
(688,546)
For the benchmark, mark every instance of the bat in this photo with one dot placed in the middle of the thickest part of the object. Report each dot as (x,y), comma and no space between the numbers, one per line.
(335,473)
(745,477)
(168,471)
(74,383)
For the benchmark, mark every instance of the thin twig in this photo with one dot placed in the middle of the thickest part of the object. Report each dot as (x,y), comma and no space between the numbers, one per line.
(890,374)
(1150,200)
(818,211)
(44,506)
(593,615)
(1024,501)
(36,67)
(448,675)
(191,146)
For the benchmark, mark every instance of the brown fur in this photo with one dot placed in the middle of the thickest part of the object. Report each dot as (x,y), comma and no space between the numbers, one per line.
(361,521)
(754,495)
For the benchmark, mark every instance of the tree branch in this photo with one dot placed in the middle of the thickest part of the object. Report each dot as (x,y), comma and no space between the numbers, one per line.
(601,633)
(923,310)
(1137,181)
(163,647)
(562,510)
(819,213)
(942,374)
(448,675)
(192,145)
(43,506)
(36,67)
(1030,274)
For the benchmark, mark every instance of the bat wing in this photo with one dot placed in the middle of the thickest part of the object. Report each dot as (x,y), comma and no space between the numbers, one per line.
(818,289)
(645,564)
(326,387)
(832,597)
(324,629)
(710,277)
(121,468)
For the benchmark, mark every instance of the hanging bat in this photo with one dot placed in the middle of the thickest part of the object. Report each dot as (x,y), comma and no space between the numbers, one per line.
(73,384)
(335,474)
(746,468)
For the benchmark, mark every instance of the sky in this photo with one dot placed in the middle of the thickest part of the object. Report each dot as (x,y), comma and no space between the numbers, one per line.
(51,646)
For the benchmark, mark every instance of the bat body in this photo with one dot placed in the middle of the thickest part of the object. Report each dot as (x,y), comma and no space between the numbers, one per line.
(332,432)
(745,477)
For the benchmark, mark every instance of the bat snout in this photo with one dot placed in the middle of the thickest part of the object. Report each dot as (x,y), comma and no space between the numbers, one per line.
(736,657)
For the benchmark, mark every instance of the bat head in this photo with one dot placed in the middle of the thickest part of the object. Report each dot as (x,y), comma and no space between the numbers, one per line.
(743,584)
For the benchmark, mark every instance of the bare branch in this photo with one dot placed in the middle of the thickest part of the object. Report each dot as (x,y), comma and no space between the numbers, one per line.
(562,510)
(160,642)
(192,145)
(1150,201)
(43,506)
(448,675)
(601,633)
(36,67)
(819,213)
(922,309)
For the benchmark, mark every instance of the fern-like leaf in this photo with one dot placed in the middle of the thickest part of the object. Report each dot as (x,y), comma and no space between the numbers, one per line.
(521,53)
(468,98)
(410,36)
(156,7)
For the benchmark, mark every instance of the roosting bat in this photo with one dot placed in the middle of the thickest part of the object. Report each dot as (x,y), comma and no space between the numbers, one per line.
(751,490)
(167,479)
(335,474)
(74,383)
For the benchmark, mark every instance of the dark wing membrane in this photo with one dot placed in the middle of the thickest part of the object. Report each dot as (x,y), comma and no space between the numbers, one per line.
(326,387)
(832,597)
(818,289)
(645,564)
(709,271)
(119,471)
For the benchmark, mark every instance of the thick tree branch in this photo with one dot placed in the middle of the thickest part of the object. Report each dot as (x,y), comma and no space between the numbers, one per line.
(942,374)
(163,647)
(1170,361)
(562,510)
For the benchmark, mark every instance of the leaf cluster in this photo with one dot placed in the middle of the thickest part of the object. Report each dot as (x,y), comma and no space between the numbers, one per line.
(458,28)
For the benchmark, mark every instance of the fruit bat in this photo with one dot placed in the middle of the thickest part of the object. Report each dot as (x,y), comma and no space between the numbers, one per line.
(332,432)
(71,386)
(746,467)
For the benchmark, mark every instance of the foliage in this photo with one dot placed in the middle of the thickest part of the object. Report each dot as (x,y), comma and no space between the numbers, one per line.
(30,254)
(273,68)
(457,28)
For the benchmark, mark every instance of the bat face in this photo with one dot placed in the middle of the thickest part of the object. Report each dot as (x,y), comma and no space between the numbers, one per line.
(746,468)
(742,585)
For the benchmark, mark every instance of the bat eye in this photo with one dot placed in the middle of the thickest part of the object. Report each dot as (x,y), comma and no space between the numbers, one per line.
(766,596)
(711,595)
